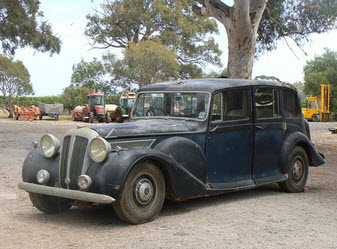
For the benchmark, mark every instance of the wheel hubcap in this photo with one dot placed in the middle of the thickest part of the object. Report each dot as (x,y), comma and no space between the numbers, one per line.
(144,191)
(297,169)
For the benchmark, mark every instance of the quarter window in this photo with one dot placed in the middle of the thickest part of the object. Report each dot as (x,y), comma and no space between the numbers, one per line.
(267,103)
(290,104)
(230,105)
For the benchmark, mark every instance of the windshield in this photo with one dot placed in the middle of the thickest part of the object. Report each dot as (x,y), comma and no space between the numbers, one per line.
(96,100)
(172,104)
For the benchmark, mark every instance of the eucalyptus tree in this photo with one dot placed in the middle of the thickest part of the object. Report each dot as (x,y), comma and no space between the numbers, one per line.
(21,25)
(172,23)
(14,81)
(257,25)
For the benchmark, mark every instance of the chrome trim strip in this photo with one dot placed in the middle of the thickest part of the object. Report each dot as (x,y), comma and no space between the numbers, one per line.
(132,143)
(66,193)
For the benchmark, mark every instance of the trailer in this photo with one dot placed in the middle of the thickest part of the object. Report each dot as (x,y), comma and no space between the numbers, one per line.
(26,112)
(50,110)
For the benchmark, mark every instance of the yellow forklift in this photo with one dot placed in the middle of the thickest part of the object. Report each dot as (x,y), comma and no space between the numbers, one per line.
(318,108)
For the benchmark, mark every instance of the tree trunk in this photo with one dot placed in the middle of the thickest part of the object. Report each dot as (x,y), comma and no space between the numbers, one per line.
(241,53)
(241,22)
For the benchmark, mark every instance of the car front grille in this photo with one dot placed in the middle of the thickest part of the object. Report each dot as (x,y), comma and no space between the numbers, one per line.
(73,157)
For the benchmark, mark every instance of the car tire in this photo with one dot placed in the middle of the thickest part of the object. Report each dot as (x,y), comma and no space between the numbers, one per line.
(298,171)
(119,115)
(315,118)
(143,194)
(49,204)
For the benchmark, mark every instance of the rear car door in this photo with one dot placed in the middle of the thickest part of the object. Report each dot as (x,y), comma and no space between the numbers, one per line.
(269,134)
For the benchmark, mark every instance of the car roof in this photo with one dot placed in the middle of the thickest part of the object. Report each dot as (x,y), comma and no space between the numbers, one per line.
(210,85)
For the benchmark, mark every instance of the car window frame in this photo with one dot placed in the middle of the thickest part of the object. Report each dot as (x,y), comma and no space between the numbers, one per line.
(280,116)
(299,112)
(249,105)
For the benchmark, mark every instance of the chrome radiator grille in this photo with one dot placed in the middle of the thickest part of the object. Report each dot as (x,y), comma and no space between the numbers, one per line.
(72,158)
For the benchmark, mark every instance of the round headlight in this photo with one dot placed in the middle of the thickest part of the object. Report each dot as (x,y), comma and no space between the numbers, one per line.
(99,149)
(42,176)
(84,182)
(50,145)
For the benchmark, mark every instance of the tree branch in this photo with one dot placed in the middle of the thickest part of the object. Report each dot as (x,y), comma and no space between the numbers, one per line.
(282,32)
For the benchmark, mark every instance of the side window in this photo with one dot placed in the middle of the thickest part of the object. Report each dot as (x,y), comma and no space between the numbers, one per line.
(267,103)
(290,104)
(217,106)
(230,105)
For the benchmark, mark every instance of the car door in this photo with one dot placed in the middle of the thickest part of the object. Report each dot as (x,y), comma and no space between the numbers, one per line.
(268,134)
(229,147)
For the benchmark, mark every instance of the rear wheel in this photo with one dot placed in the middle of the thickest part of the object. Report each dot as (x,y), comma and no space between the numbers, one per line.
(143,194)
(298,171)
(49,204)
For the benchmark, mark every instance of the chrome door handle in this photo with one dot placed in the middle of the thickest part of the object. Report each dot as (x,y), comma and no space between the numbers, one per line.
(259,127)
(214,129)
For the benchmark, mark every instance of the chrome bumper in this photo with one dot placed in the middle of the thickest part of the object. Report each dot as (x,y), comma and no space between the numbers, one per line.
(66,193)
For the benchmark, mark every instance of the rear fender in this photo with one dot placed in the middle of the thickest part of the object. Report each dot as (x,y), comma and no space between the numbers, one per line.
(299,139)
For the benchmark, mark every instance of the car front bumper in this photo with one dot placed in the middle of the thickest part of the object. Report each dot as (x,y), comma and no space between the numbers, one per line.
(66,193)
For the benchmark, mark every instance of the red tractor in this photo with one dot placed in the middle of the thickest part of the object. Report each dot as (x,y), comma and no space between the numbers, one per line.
(94,109)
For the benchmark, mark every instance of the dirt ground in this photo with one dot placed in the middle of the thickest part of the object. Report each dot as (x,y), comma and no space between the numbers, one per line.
(258,218)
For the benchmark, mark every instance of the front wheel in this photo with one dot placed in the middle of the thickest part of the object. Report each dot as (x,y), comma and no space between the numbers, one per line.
(143,194)
(315,118)
(49,204)
(298,171)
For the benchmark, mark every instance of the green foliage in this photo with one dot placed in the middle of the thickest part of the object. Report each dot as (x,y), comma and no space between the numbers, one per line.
(220,74)
(20,27)
(73,96)
(265,77)
(14,81)
(322,70)
(124,23)
(29,101)
(92,75)
(147,62)
(295,19)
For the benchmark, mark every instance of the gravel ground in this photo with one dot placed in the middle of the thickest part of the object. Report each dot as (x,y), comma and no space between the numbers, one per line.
(258,218)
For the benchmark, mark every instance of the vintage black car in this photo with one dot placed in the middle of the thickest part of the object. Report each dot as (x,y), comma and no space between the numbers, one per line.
(185,139)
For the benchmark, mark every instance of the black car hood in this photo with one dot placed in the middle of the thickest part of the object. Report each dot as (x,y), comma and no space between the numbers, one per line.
(149,127)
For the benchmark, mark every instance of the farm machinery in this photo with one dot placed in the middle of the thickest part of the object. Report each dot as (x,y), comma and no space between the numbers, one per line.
(121,112)
(93,109)
(50,110)
(26,112)
(318,108)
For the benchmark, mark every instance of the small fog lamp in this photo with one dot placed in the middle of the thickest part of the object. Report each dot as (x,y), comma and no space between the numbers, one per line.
(99,149)
(84,182)
(42,176)
(49,145)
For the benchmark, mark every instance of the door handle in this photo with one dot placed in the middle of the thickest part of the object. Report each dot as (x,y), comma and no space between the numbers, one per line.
(214,129)
(259,127)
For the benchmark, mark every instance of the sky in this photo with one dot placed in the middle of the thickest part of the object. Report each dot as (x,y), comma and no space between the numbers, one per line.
(51,74)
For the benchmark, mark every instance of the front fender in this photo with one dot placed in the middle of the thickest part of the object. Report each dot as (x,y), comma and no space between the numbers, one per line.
(111,176)
(299,139)
(36,161)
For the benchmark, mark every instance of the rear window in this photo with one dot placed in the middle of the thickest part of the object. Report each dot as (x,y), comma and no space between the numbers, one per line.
(290,104)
